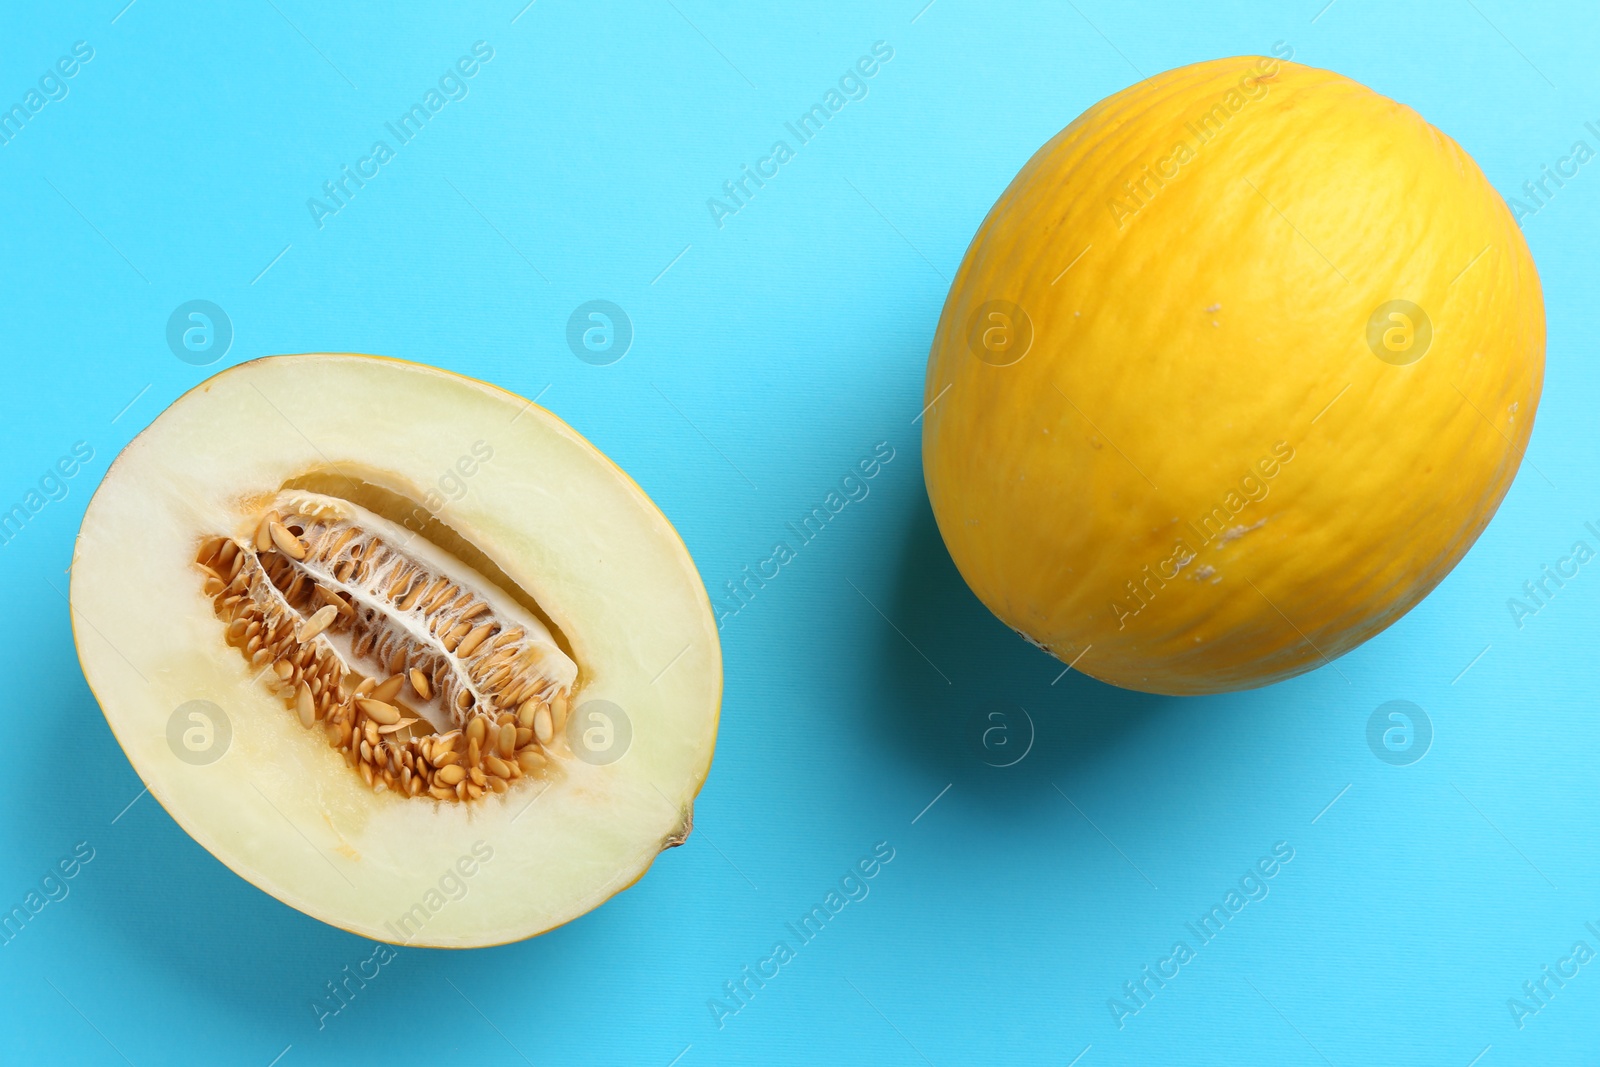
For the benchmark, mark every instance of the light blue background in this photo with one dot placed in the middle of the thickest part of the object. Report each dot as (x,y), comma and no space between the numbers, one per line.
(770,357)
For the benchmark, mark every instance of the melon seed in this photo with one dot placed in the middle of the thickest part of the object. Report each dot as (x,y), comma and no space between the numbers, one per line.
(307,572)
(387,714)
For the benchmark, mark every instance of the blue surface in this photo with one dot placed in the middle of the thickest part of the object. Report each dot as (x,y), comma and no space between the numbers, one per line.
(768,355)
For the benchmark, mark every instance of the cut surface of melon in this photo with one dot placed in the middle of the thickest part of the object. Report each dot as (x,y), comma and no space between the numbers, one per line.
(398,647)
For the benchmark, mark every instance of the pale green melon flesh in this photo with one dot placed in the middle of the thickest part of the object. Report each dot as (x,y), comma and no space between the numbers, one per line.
(547,513)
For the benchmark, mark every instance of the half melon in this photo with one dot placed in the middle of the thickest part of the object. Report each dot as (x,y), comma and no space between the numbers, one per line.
(398,647)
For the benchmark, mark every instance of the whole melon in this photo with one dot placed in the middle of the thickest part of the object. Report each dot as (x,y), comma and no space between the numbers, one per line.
(1236,370)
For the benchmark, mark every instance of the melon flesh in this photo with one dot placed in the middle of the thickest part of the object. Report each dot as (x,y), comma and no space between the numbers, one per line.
(545,521)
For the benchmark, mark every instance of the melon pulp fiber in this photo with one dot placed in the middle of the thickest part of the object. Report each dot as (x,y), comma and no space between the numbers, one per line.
(604,630)
(1234,372)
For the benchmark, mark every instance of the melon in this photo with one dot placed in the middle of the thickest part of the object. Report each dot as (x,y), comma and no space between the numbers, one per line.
(400,648)
(1234,372)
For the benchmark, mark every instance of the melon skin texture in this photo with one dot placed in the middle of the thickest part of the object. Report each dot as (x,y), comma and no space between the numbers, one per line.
(280,807)
(1178,437)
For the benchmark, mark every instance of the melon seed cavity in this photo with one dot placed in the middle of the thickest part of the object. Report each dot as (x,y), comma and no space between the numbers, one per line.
(428,679)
